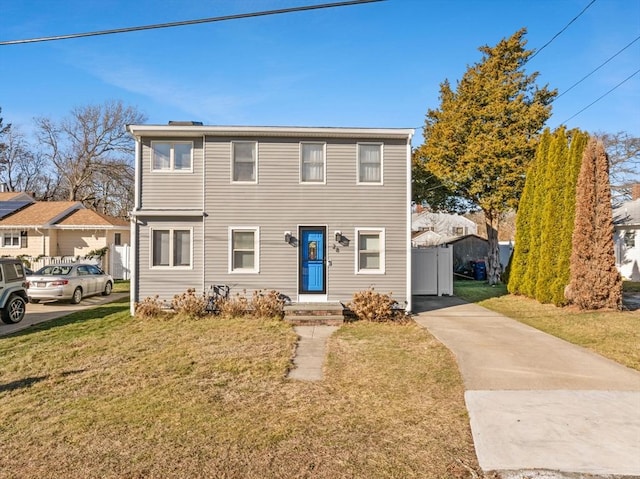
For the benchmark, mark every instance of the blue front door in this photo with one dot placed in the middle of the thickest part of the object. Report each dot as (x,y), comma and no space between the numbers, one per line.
(313,260)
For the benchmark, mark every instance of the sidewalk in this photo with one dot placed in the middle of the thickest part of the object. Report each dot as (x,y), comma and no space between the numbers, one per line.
(538,403)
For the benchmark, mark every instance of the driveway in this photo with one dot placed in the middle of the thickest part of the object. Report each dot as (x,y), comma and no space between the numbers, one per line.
(41,312)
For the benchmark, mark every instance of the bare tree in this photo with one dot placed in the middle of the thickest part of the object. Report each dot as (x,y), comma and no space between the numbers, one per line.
(93,154)
(623,150)
(24,169)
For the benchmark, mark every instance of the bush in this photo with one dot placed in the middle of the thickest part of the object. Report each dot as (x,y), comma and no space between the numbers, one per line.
(150,307)
(267,304)
(373,306)
(233,306)
(189,304)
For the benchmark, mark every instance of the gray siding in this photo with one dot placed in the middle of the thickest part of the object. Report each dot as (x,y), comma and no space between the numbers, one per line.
(279,203)
(167,282)
(171,190)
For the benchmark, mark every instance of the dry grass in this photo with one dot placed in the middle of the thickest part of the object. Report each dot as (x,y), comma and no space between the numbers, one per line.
(110,396)
(613,334)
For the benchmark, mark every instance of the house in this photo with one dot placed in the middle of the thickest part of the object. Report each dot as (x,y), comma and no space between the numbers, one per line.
(626,236)
(30,228)
(314,213)
(431,229)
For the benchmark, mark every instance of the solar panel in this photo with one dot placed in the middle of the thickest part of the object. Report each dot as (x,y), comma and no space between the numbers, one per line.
(9,207)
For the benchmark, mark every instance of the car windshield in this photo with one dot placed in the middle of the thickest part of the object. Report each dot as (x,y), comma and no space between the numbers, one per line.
(54,270)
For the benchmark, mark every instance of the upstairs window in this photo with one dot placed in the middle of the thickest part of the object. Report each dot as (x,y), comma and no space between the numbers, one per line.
(312,163)
(171,156)
(244,162)
(370,163)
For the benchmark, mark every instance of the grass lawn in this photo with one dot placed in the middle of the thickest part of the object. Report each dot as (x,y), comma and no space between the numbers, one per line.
(613,334)
(99,394)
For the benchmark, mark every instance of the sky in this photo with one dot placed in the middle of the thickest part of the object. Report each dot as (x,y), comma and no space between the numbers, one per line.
(368,65)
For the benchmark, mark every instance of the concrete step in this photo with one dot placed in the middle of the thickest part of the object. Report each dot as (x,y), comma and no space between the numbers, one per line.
(314,314)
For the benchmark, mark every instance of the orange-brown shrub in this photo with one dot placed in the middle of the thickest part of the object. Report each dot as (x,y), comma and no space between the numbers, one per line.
(190,304)
(372,306)
(150,307)
(233,306)
(267,304)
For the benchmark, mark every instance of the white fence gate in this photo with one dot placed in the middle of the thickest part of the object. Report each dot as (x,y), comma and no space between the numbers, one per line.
(432,270)
(120,262)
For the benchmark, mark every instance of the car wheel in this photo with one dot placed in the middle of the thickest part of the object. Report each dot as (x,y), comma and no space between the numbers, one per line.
(14,310)
(77,296)
(107,289)
(34,301)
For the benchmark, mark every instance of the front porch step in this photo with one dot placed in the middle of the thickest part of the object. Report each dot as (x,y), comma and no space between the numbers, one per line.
(314,314)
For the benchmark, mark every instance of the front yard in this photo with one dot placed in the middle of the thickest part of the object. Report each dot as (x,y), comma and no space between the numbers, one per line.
(105,395)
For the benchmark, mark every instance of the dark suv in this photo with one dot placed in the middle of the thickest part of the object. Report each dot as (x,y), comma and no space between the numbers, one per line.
(13,293)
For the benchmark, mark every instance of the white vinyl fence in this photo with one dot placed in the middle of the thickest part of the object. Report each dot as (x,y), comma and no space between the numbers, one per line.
(432,270)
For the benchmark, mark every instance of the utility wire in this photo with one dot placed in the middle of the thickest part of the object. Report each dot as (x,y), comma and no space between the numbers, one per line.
(561,31)
(190,22)
(600,98)
(595,70)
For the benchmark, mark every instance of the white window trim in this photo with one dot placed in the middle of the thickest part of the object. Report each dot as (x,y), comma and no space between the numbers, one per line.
(231,154)
(171,231)
(324,163)
(374,183)
(13,234)
(172,168)
(256,249)
(381,232)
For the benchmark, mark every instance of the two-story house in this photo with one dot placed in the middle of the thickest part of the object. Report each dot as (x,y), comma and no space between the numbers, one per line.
(314,213)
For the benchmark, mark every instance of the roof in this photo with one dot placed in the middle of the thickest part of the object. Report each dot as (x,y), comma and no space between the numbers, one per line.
(89,218)
(627,214)
(40,213)
(59,214)
(184,129)
(15,196)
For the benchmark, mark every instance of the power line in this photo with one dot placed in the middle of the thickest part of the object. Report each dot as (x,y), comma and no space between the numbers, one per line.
(601,97)
(595,70)
(190,22)
(561,31)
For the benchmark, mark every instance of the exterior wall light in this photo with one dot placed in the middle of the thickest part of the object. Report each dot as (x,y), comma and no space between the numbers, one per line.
(287,237)
(338,236)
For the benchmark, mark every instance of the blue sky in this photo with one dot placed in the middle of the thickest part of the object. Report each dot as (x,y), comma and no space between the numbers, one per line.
(371,65)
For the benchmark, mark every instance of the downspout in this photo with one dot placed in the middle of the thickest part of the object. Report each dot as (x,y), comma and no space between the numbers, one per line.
(204,213)
(408,219)
(133,274)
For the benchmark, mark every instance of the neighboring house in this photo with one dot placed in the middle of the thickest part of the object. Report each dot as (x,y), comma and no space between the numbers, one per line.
(430,229)
(626,236)
(314,213)
(55,228)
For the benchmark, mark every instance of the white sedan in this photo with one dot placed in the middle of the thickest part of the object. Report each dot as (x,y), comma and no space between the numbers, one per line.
(70,282)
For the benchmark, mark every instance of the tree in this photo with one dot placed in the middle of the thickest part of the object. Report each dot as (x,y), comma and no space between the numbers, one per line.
(482,138)
(526,249)
(24,170)
(427,188)
(624,163)
(594,280)
(92,154)
(4,130)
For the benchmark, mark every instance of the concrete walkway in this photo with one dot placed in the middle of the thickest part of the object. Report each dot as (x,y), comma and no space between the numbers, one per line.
(537,403)
(310,352)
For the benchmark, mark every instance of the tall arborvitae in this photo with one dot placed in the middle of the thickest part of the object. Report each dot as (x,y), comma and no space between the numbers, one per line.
(552,210)
(595,282)
(530,277)
(526,209)
(578,142)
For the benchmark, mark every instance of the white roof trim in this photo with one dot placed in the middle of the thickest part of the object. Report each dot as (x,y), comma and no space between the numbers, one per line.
(167,212)
(252,131)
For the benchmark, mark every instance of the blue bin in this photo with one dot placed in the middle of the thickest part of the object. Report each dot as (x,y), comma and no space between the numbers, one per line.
(479,271)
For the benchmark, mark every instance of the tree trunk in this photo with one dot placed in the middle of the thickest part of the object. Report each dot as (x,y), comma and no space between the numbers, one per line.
(493,255)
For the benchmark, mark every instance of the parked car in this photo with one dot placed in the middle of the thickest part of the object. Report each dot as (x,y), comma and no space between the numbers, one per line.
(13,293)
(70,282)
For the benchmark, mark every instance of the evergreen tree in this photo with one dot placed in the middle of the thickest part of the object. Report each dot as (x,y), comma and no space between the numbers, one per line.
(481,140)
(526,210)
(595,282)
(552,211)
(578,142)
(530,276)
